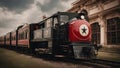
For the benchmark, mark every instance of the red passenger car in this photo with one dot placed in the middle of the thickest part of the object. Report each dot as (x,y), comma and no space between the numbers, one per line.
(2,40)
(13,38)
(8,39)
(25,34)
(23,38)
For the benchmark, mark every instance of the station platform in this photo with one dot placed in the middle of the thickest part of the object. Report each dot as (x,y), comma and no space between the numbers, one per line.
(109,53)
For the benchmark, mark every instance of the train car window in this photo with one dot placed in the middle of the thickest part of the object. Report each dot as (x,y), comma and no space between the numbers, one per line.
(55,21)
(7,39)
(36,27)
(22,35)
(25,34)
(48,22)
(11,38)
(15,37)
(42,25)
(64,19)
(19,36)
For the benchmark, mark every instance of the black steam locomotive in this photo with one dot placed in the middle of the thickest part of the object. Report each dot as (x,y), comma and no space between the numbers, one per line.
(63,33)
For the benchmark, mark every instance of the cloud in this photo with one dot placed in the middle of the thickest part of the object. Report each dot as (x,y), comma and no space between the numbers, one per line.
(17,12)
(9,20)
(33,15)
(3,31)
(16,5)
(53,6)
(6,18)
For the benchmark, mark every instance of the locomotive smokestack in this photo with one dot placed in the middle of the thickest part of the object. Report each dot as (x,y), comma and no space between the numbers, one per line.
(44,16)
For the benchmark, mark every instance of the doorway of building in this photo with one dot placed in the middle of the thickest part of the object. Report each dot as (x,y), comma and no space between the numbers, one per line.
(95,33)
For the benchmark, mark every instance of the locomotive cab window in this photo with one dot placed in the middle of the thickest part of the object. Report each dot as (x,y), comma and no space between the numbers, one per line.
(55,21)
(63,19)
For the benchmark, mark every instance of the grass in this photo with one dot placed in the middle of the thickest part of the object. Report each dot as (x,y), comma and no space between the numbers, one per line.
(11,59)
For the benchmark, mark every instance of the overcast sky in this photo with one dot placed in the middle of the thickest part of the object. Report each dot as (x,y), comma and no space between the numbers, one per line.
(17,12)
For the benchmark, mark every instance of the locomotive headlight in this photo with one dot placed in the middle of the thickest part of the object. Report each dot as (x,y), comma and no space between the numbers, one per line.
(82,17)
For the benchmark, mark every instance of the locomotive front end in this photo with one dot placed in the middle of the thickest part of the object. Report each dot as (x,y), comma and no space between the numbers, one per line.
(80,38)
(79,31)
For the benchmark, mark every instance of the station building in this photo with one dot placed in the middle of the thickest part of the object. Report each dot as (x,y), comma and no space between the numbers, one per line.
(104,18)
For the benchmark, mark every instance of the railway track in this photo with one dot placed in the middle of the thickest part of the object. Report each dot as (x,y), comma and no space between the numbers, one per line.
(94,63)
(106,63)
